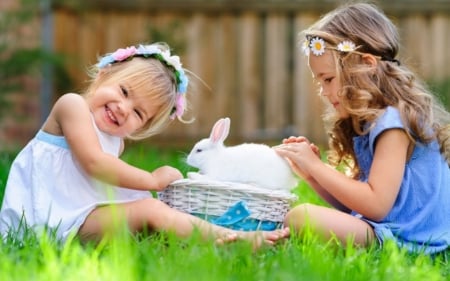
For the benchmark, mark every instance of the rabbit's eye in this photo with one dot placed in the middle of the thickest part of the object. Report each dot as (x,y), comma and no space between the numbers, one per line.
(199,150)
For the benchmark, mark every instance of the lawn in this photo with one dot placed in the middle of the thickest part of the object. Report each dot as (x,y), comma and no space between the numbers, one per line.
(165,257)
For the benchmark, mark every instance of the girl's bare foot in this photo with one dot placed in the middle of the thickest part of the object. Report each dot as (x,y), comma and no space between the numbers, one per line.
(227,238)
(257,238)
(260,238)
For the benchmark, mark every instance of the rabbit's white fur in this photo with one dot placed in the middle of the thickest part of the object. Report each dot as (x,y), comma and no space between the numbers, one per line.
(249,163)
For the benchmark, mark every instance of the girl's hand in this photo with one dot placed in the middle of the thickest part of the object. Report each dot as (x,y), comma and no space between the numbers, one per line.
(299,152)
(165,175)
(303,139)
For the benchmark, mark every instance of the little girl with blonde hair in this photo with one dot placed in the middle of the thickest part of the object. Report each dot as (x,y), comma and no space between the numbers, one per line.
(69,177)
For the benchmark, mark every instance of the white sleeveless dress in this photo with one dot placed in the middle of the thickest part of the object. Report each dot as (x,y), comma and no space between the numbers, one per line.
(46,187)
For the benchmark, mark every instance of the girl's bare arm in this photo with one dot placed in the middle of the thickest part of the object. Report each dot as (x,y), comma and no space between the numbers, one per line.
(72,114)
(373,199)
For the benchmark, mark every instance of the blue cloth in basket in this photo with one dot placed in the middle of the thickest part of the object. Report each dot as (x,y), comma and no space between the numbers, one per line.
(237,217)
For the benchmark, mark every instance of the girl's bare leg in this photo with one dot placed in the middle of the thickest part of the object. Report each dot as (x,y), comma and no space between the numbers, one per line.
(330,223)
(153,214)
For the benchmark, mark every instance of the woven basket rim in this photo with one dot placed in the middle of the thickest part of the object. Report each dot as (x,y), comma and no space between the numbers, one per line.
(233,186)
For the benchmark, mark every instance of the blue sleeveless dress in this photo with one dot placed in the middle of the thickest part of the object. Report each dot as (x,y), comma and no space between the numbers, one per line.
(46,187)
(420,217)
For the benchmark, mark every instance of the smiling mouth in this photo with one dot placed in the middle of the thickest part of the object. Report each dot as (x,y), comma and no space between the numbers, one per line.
(111,116)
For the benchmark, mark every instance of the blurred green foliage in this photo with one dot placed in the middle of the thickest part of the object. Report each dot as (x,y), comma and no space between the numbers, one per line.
(172,34)
(20,57)
(442,91)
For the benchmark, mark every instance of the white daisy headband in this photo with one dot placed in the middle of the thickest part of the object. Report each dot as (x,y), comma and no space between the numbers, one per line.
(153,51)
(317,46)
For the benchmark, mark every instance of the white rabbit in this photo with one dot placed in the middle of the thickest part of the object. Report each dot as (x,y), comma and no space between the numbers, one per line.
(249,163)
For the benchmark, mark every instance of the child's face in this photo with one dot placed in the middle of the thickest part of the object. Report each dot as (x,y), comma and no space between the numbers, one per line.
(120,111)
(323,69)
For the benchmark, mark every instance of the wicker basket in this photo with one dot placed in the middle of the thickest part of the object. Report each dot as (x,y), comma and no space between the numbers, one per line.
(209,199)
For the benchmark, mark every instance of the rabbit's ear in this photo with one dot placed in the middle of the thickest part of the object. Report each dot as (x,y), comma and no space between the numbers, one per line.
(220,130)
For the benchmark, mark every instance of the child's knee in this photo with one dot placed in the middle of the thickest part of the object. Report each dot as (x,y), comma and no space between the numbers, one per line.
(155,212)
(297,216)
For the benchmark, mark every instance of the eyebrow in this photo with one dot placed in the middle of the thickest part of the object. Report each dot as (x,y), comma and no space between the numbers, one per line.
(318,76)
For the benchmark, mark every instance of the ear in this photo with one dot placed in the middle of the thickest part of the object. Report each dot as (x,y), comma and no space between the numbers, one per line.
(220,130)
(370,60)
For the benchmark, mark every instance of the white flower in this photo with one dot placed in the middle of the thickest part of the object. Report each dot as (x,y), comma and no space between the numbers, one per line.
(346,46)
(305,47)
(317,46)
(165,54)
(148,50)
(171,60)
(174,61)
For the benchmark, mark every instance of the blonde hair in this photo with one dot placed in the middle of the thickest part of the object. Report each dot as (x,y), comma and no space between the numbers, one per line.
(149,76)
(365,93)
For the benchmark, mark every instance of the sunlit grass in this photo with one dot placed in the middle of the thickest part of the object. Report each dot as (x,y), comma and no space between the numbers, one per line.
(163,256)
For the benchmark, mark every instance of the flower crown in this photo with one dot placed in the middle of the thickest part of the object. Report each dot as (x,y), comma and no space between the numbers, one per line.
(153,51)
(317,46)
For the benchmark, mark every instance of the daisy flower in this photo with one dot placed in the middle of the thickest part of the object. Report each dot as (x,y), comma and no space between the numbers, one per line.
(317,46)
(346,46)
(305,47)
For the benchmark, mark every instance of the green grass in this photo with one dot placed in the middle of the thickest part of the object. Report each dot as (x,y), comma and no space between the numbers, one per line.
(164,257)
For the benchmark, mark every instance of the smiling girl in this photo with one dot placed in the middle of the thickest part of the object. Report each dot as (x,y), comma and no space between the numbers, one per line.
(70,179)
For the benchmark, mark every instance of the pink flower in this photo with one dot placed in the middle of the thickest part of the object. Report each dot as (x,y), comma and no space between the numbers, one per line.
(123,54)
(179,106)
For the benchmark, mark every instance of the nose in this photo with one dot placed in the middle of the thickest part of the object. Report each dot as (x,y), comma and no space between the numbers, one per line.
(124,108)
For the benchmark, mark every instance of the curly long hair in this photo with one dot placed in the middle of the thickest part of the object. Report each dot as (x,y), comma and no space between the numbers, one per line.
(366,93)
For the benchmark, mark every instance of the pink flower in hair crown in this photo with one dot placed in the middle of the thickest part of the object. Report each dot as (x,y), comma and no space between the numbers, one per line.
(123,54)
(179,107)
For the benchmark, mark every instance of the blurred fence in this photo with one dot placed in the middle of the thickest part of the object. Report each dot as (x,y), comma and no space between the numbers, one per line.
(246,51)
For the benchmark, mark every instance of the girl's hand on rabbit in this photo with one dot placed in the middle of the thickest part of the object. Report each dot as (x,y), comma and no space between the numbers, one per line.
(300,154)
(303,139)
(297,170)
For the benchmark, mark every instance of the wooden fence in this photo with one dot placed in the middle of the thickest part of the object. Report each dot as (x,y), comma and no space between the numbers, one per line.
(245,51)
